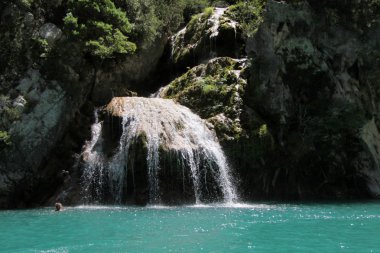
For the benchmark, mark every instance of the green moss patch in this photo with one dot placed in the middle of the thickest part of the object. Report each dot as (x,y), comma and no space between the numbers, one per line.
(214,91)
(249,14)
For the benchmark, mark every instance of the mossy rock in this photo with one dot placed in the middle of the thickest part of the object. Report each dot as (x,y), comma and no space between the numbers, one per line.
(248,14)
(207,35)
(215,91)
(211,89)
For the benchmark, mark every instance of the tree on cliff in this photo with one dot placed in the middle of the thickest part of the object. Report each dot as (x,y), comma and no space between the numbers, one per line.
(101,29)
(100,26)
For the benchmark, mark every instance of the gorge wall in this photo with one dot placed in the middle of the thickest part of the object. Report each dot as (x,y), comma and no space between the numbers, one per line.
(291,95)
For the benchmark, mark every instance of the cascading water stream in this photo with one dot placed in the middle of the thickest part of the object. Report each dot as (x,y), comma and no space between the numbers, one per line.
(215,22)
(93,171)
(165,127)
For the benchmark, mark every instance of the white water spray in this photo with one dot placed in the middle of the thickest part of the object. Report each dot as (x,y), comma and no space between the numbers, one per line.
(214,21)
(168,126)
(93,172)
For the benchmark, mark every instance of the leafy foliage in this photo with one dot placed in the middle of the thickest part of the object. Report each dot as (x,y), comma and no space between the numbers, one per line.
(154,18)
(209,89)
(193,7)
(8,114)
(5,138)
(263,131)
(248,14)
(101,25)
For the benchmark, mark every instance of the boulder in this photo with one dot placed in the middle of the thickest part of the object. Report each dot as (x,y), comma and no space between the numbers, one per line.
(50,32)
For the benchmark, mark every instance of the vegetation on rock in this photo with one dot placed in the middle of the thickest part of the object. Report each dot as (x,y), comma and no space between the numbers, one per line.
(101,26)
(5,140)
(211,89)
(249,15)
(311,87)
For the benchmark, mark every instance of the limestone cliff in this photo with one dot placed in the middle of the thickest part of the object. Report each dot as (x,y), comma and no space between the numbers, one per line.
(313,81)
(48,90)
(291,91)
(307,119)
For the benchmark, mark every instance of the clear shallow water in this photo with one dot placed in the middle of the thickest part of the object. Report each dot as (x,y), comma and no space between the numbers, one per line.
(352,227)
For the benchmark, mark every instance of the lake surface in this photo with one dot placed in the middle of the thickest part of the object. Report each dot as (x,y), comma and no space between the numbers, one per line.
(349,227)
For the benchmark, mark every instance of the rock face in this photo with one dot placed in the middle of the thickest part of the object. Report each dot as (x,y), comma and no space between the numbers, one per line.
(370,157)
(48,90)
(50,32)
(36,120)
(40,95)
(312,82)
(308,110)
(120,79)
(295,104)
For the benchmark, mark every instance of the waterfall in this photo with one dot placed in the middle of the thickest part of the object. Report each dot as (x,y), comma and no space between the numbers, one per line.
(214,22)
(167,129)
(93,171)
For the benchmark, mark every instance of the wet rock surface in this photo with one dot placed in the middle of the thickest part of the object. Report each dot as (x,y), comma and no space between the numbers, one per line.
(151,151)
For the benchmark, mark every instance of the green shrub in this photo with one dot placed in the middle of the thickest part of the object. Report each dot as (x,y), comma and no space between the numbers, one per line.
(193,7)
(101,26)
(24,3)
(41,46)
(12,113)
(209,88)
(208,12)
(249,14)
(4,101)
(263,131)
(5,140)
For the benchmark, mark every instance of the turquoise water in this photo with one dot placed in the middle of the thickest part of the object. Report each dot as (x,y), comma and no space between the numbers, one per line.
(352,227)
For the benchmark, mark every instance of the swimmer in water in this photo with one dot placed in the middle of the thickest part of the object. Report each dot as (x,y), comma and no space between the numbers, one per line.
(58,207)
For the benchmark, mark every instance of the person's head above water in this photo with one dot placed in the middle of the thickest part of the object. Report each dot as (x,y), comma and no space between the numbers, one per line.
(58,206)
